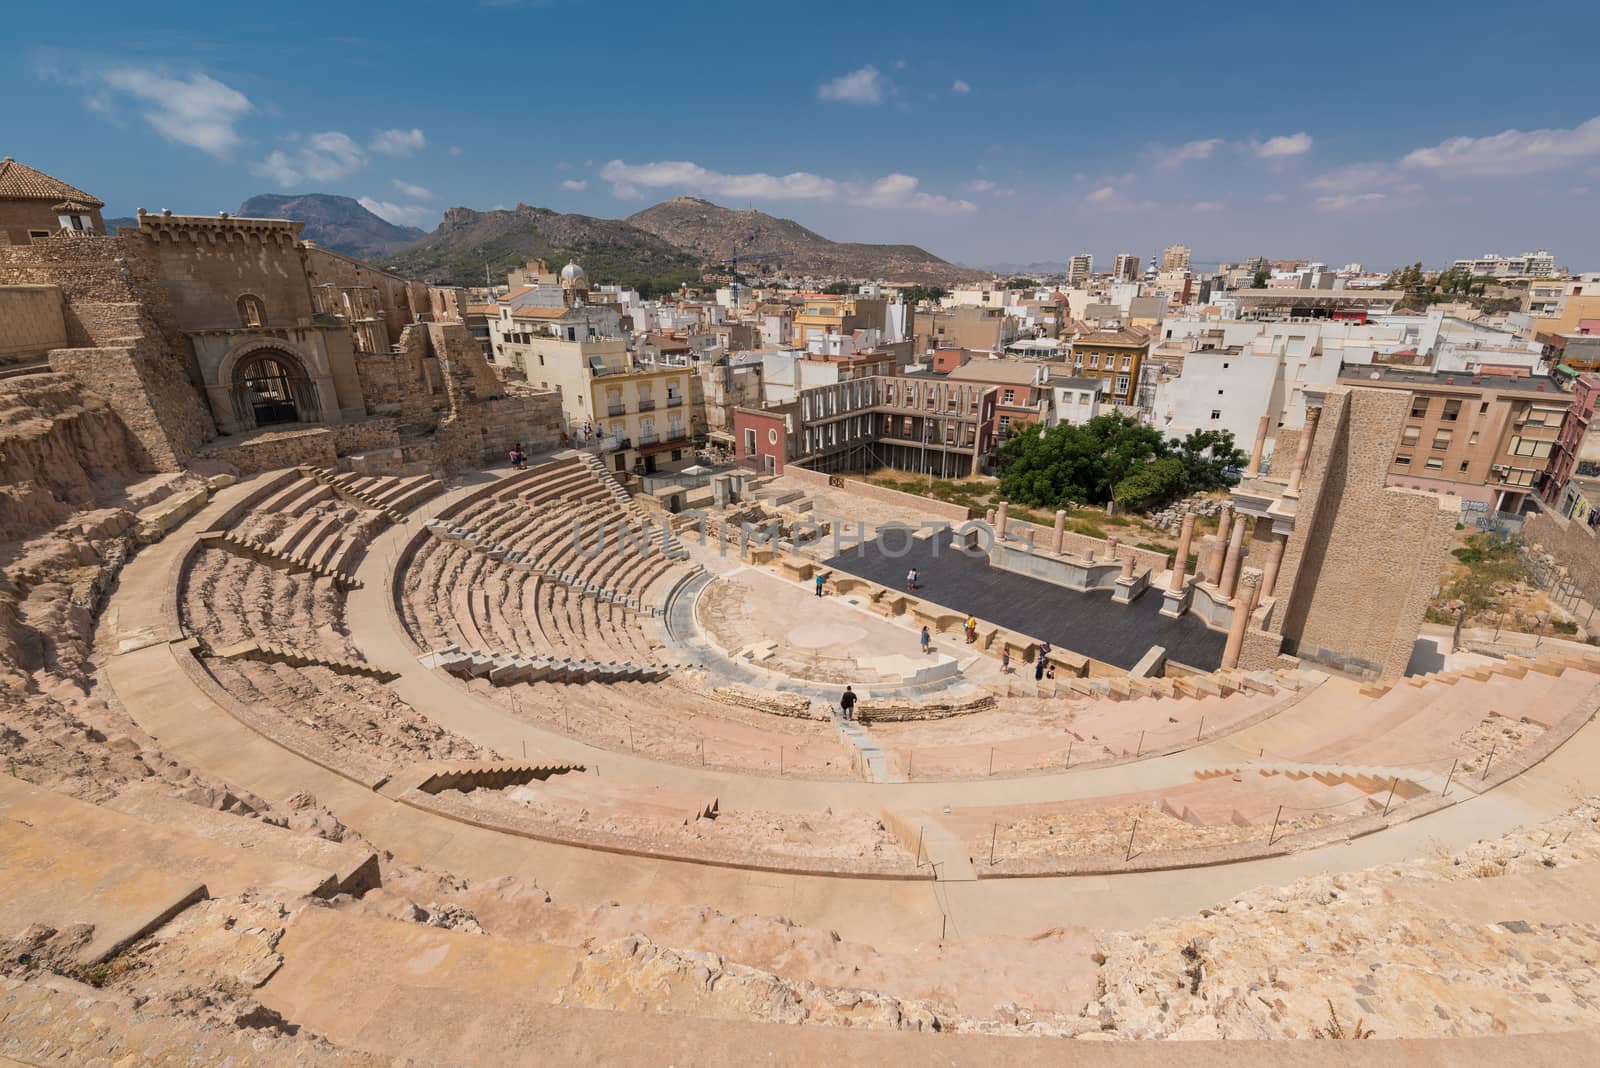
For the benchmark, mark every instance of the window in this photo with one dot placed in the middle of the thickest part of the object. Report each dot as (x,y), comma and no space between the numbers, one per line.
(749,442)
(1005,423)
(1434,464)
(1402,461)
(1483,409)
(1472,438)
(251,311)
(1094,359)
(1441,440)
(38,235)
(1463,467)
(1216,413)
(1452,411)
(1419,407)
(1127,363)
(1009,397)
(1410,435)
(1122,384)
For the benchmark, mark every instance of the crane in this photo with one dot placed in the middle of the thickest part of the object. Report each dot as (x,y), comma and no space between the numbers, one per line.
(738,257)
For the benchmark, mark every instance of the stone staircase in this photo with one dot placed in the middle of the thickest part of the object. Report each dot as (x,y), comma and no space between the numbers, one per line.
(1219,683)
(1513,667)
(399,495)
(663,539)
(503,669)
(1374,779)
(260,551)
(268,653)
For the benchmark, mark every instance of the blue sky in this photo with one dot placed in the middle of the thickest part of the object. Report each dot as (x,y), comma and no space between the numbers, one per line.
(1381,133)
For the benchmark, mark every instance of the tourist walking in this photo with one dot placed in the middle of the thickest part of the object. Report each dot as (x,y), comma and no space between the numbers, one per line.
(911,579)
(1040,661)
(972,629)
(1005,661)
(819,584)
(925,640)
(847,702)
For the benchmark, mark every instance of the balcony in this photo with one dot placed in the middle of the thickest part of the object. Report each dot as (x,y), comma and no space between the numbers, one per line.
(647,405)
(674,402)
(616,409)
(649,439)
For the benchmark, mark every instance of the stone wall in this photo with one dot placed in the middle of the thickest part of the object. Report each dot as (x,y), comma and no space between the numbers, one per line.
(31,321)
(1574,545)
(532,417)
(113,299)
(366,435)
(1363,559)
(269,450)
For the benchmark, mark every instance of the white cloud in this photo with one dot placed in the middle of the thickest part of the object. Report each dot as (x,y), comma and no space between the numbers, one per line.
(576,185)
(1284,147)
(900,191)
(455,150)
(1510,151)
(200,112)
(1111,198)
(899,64)
(979,185)
(322,157)
(1167,159)
(1206,205)
(629,180)
(398,142)
(1355,176)
(959,86)
(415,192)
(1274,198)
(863,86)
(1345,201)
(419,215)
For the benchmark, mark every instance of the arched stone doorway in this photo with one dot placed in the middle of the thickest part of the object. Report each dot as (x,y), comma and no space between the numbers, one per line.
(271,387)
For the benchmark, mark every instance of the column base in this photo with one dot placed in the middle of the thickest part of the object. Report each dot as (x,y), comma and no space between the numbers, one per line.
(1174,605)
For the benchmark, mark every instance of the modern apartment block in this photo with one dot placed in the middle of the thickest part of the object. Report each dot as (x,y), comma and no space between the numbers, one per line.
(1485,438)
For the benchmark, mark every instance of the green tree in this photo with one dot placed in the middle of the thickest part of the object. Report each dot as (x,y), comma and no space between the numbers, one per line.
(839,289)
(913,294)
(1078,463)
(1206,455)
(1261,278)
(1021,283)
(1155,482)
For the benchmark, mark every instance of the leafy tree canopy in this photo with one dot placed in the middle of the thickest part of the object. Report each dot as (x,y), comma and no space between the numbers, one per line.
(1112,457)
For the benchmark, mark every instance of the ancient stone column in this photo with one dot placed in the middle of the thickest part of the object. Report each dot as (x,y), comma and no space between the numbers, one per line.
(1302,454)
(1000,520)
(1213,568)
(1180,563)
(1260,446)
(1243,605)
(1127,567)
(1061,529)
(1111,547)
(988,516)
(1269,575)
(1234,558)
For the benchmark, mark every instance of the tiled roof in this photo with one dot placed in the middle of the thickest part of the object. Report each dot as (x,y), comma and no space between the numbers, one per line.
(18,181)
(539,312)
(1125,337)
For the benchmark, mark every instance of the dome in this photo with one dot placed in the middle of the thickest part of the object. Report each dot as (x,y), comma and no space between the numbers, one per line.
(573,273)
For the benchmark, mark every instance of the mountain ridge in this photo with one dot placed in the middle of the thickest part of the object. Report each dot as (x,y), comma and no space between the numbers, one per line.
(340,223)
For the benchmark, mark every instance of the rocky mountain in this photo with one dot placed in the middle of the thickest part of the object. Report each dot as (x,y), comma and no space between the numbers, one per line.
(468,243)
(712,232)
(118,222)
(335,222)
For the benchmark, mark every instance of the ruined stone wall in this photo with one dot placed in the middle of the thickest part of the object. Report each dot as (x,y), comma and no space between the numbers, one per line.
(112,299)
(395,294)
(272,450)
(207,264)
(31,321)
(1363,559)
(366,435)
(1575,546)
(532,417)
(458,441)
(62,448)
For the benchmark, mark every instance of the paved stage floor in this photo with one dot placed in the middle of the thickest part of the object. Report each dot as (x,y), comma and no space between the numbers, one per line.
(1087,623)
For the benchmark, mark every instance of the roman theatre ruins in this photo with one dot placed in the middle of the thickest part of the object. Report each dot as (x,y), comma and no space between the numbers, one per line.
(331,738)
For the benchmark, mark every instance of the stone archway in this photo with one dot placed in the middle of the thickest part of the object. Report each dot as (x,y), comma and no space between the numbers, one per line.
(269,386)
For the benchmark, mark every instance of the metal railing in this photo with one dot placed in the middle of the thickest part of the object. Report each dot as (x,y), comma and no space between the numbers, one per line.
(649,439)
(616,409)
(647,405)
(673,402)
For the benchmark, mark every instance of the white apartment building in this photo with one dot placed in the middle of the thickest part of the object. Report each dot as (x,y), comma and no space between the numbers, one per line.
(1080,268)
(1538,264)
(1072,400)
(1175,257)
(1125,268)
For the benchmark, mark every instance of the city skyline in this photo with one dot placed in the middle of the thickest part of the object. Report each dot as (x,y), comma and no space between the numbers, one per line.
(982,146)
